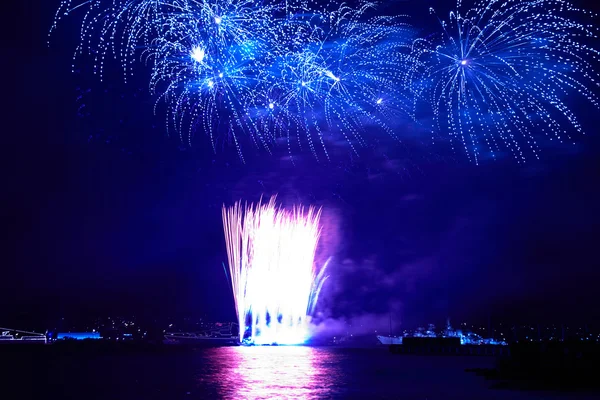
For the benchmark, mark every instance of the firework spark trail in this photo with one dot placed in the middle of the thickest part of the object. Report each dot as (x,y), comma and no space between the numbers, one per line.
(116,28)
(207,67)
(281,75)
(497,77)
(336,79)
(275,280)
(499,73)
(298,71)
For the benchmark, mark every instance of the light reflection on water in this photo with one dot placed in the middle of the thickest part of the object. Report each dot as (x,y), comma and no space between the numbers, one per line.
(251,373)
(332,373)
(284,372)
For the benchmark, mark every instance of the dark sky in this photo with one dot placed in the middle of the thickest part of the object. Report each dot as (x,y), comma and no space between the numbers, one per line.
(106,214)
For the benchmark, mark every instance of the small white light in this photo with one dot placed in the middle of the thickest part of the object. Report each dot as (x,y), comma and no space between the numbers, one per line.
(210,83)
(332,76)
(379,101)
(218,20)
(221,75)
(271,106)
(464,62)
(303,83)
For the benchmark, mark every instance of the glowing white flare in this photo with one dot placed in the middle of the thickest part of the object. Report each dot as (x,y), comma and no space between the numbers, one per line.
(197,54)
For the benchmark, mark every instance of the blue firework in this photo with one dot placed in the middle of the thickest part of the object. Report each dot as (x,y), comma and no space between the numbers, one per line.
(207,66)
(334,79)
(116,29)
(498,75)
(298,71)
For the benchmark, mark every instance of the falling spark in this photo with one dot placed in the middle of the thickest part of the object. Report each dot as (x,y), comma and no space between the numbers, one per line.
(217,65)
(499,74)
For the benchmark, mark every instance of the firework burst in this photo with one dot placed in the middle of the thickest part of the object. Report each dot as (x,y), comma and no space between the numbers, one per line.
(295,71)
(116,29)
(336,80)
(275,279)
(499,73)
(500,76)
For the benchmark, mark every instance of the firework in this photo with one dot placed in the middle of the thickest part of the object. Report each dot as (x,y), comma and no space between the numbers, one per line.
(336,80)
(302,72)
(207,66)
(280,74)
(499,73)
(115,28)
(244,68)
(275,279)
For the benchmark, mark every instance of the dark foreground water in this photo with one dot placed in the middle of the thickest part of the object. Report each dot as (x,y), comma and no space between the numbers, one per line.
(249,373)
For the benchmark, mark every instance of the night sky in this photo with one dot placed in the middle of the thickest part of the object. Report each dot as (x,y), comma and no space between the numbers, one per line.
(106,214)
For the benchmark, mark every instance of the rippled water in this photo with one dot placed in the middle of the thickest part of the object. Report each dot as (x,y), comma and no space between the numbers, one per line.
(257,373)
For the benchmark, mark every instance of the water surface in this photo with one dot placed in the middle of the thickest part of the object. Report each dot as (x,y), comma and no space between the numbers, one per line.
(258,373)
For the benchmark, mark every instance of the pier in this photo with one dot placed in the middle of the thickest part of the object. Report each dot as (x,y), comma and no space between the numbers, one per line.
(15,336)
